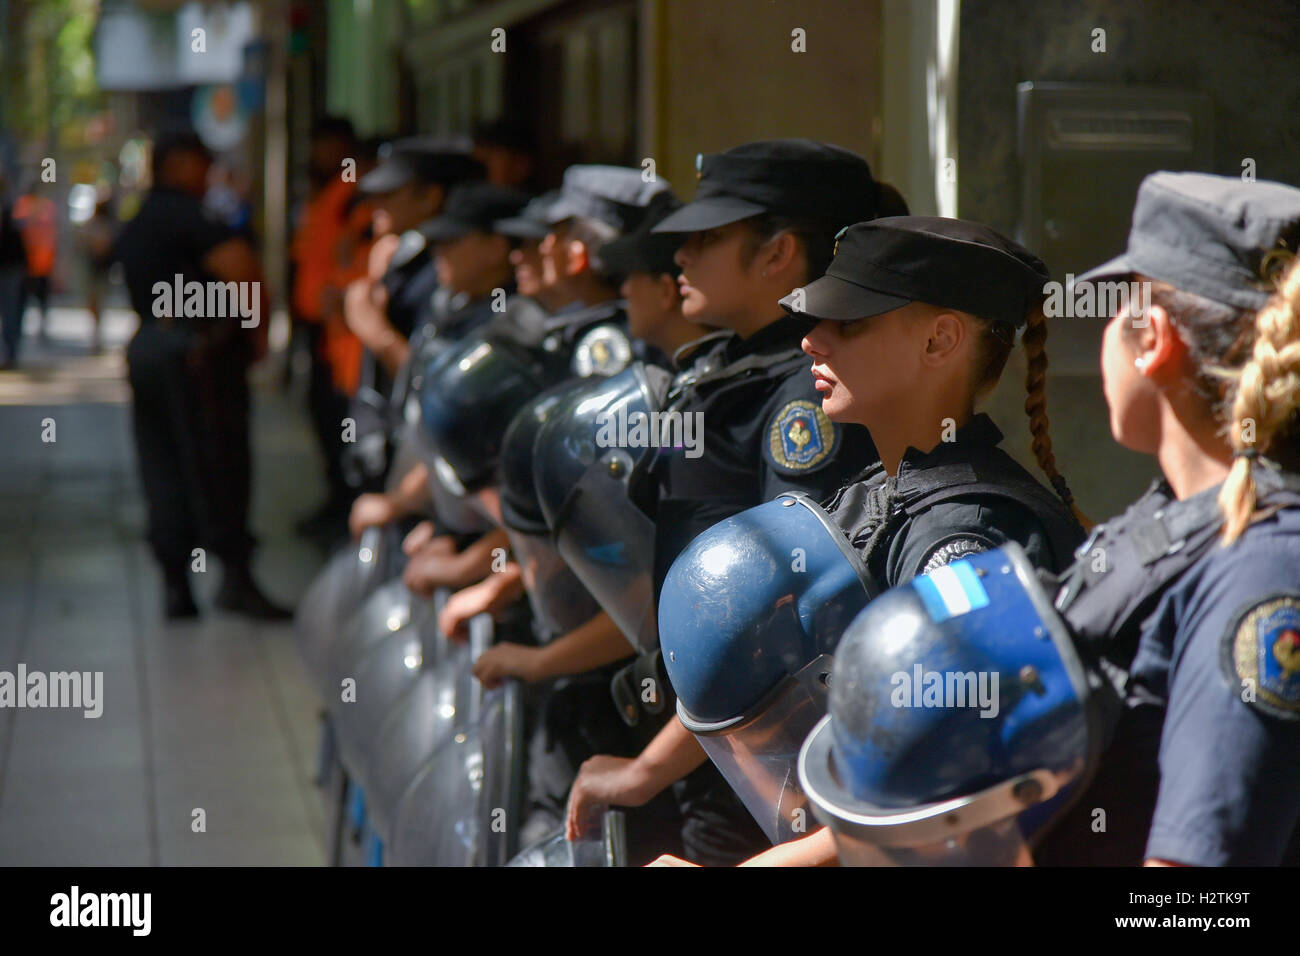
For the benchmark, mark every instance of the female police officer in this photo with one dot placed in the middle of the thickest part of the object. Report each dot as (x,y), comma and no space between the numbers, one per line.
(1199,594)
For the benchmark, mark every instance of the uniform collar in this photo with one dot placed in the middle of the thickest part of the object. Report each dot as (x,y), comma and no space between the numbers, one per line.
(980,430)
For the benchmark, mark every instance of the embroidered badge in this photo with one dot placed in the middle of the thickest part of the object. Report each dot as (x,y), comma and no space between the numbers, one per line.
(800,437)
(1261,655)
(605,350)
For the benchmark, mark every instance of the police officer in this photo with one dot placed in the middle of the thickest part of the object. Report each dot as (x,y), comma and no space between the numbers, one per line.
(761,224)
(188,379)
(1192,592)
(596,205)
(916,317)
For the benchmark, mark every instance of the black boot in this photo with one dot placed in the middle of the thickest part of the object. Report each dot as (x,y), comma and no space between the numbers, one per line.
(240,594)
(179,600)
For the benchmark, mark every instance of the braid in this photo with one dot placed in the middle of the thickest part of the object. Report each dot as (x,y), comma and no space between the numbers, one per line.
(1035,342)
(1266,399)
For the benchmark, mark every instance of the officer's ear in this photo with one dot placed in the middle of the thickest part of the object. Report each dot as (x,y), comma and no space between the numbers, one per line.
(946,335)
(667,293)
(578,260)
(1161,350)
(779,253)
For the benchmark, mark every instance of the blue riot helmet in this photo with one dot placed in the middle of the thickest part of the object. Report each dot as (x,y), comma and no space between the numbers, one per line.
(471,392)
(558,599)
(748,617)
(961,720)
(585,456)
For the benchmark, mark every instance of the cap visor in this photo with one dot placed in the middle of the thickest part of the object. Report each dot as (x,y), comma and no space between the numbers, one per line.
(443,228)
(559,211)
(839,300)
(383,179)
(1119,266)
(520,228)
(708,213)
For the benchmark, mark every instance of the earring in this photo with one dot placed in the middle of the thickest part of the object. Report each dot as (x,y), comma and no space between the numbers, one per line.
(1140,364)
(764,273)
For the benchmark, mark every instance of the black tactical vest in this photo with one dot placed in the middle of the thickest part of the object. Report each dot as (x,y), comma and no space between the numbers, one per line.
(1151,545)
(873,509)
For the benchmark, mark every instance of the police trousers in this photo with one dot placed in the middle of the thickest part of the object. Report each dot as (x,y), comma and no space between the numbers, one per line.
(190,412)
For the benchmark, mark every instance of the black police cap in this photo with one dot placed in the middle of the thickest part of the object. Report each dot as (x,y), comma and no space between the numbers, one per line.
(1214,236)
(615,195)
(421,159)
(473,207)
(533,221)
(952,263)
(644,250)
(793,177)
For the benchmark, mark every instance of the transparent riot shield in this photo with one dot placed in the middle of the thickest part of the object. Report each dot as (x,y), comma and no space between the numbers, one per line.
(386,611)
(334,596)
(609,543)
(759,755)
(438,706)
(465,806)
(607,846)
(384,672)
(979,829)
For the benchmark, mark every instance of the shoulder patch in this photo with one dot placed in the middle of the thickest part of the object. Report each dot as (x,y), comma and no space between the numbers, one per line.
(605,350)
(799,437)
(954,549)
(1260,655)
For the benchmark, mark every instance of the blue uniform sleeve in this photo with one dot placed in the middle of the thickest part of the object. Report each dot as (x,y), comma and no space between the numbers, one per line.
(1230,746)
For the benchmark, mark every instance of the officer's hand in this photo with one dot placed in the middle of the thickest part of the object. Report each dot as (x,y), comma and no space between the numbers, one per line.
(433,566)
(463,605)
(669,860)
(601,781)
(506,660)
(422,535)
(362,313)
(370,511)
(381,255)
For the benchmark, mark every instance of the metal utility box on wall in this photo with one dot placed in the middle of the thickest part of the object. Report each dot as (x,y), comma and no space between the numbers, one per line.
(1083,151)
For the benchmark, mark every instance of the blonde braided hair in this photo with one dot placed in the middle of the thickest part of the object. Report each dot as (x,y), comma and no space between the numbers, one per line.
(1265,400)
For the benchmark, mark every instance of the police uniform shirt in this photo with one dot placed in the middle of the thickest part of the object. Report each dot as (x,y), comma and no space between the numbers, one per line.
(922,538)
(1222,651)
(764,433)
(169,236)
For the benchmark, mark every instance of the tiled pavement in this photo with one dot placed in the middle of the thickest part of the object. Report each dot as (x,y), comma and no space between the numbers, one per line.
(215,714)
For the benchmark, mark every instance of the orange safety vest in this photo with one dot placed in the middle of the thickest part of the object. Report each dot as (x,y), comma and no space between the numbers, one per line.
(38,218)
(322,224)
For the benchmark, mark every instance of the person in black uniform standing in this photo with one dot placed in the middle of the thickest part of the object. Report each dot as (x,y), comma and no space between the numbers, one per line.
(761,224)
(188,380)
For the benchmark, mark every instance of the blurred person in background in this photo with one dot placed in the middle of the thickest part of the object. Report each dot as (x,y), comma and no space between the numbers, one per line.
(95,240)
(38,218)
(13,267)
(188,376)
(508,152)
(313,251)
